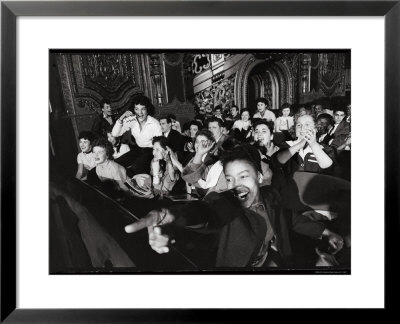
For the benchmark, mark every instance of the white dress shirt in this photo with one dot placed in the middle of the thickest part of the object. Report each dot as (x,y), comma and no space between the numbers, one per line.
(268,115)
(144,136)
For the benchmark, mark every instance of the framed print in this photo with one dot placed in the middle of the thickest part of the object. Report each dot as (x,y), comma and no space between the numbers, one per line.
(139,55)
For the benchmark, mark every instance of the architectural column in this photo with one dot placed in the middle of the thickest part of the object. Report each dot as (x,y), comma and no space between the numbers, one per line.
(157,77)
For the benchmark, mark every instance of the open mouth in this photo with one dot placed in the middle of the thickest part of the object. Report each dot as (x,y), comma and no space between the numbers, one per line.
(241,193)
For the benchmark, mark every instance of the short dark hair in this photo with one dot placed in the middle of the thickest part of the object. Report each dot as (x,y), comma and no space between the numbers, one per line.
(342,109)
(263,100)
(104,143)
(218,107)
(244,110)
(245,152)
(199,117)
(86,135)
(105,101)
(196,123)
(167,118)
(268,123)
(172,116)
(206,133)
(143,101)
(285,105)
(326,116)
(160,139)
(215,119)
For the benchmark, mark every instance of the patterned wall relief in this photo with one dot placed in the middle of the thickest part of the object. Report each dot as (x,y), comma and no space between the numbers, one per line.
(108,73)
(201,62)
(88,78)
(328,75)
(331,73)
(220,93)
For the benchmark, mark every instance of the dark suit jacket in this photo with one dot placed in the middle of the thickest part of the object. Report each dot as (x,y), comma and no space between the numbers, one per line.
(340,134)
(101,125)
(218,145)
(175,141)
(242,231)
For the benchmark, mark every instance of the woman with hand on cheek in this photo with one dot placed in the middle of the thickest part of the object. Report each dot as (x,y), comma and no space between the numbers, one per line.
(163,168)
(204,171)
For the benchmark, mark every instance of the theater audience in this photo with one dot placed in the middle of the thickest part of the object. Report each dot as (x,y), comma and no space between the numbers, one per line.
(241,203)
(263,110)
(251,229)
(103,121)
(85,159)
(143,128)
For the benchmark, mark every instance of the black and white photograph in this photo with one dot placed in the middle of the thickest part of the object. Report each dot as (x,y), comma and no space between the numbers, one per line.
(200,161)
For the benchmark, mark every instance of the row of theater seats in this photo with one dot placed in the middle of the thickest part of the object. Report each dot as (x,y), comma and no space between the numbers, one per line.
(87,228)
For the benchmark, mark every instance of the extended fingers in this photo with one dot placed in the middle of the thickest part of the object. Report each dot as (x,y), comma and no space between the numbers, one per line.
(150,219)
(158,241)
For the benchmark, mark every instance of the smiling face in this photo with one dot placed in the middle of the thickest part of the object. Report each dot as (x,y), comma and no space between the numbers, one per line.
(141,112)
(106,109)
(244,180)
(158,151)
(85,145)
(262,135)
(303,124)
(245,116)
(100,155)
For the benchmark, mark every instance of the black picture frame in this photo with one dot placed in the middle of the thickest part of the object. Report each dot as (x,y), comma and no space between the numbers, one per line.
(10,10)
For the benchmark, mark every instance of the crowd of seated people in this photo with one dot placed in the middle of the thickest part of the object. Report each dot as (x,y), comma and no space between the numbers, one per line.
(230,163)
